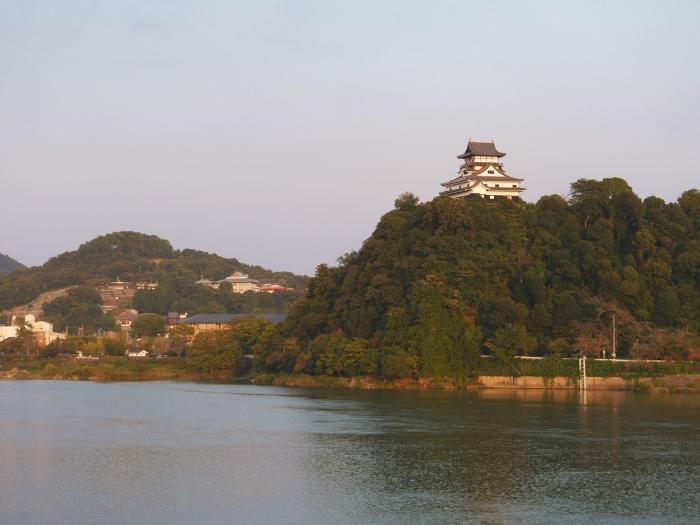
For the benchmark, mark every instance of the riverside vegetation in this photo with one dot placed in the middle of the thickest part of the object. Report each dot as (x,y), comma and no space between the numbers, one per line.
(439,283)
(442,283)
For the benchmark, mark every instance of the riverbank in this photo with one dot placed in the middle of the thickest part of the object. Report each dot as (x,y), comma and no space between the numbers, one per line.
(663,384)
(104,369)
(125,369)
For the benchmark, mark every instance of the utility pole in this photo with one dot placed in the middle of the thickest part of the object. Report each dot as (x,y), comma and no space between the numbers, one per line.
(614,338)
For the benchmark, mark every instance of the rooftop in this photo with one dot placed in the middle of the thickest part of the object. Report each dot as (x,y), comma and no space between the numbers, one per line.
(238,280)
(482,149)
(227,318)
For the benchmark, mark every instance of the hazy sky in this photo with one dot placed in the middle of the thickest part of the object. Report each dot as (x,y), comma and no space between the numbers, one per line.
(279,132)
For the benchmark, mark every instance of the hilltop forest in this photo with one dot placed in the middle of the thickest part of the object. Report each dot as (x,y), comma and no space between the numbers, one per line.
(132,256)
(440,283)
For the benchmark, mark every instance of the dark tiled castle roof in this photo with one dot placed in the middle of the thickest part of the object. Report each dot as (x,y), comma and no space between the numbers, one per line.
(482,149)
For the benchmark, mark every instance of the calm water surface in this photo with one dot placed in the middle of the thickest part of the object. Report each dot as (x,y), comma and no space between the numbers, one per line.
(182,453)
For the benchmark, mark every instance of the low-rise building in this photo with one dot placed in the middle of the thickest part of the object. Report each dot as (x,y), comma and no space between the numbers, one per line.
(125,317)
(209,322)
(242,283)
(8,332)
(203,281)
(174,317)
(42,330)
(80,355)
(114,294)
(143,285)
(271,286)
(137,353)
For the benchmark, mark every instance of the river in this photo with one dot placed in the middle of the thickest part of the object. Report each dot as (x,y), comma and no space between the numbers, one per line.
(186,453)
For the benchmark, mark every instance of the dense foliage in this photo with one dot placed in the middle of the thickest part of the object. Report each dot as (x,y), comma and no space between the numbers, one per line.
(148,325)
(440,283)
(181,294)
(224,351)
(78,311)
(133,256)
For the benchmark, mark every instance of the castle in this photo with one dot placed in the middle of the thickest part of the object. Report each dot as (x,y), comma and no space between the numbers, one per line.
(482,175)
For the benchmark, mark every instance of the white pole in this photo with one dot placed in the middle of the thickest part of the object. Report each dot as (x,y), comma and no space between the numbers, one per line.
(614,339)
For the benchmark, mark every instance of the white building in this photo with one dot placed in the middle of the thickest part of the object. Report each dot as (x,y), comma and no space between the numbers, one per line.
(241,283)
(43,331)
(482,175)
(7,332)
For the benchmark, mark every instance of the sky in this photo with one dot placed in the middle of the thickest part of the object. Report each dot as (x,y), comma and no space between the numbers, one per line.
(278,132)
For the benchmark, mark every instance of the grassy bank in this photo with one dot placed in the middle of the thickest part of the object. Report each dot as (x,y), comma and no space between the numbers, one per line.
(647,377)
(106,369)
(362,382)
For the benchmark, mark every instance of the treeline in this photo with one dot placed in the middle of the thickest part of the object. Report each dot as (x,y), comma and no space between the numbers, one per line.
(78,311)
(180,294)
(131,256)
(441,283)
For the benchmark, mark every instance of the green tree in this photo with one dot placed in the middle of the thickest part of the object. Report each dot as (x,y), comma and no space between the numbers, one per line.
(512,340)
(77,311)
(148,325)
(248,331)
(356,359)
(215,352)
(26,342)
(180,336)
(114,346)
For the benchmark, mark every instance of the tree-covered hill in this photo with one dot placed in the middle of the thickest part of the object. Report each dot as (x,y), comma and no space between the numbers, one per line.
(8,264)
(133,256)
(441,282)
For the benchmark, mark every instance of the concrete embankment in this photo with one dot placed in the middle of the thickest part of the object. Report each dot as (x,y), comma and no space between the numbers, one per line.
(592,383)
(687,383)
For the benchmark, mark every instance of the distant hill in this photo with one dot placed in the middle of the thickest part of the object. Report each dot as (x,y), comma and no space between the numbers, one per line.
(133,256)
(8,264)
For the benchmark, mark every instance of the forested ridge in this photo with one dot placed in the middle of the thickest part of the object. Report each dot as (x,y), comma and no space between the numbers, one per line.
(440,283)
(8,264)
(132,256)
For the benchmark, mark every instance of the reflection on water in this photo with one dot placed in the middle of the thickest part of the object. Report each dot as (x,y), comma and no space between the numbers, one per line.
(182,453)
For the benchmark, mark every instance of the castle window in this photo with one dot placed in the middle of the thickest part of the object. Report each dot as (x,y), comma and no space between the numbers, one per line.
(491,172)
(498,185)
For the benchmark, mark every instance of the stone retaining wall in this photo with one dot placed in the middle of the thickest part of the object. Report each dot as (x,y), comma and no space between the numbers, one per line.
(592,383)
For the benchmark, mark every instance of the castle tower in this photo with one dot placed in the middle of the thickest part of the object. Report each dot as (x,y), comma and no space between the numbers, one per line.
(482,175)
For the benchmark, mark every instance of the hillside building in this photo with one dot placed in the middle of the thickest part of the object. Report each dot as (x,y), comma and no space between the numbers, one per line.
(174,317)
(115,294)
(210,322)
(242,283)
(482,175)
(126,317)
(143,285)
(42,330)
